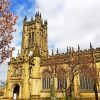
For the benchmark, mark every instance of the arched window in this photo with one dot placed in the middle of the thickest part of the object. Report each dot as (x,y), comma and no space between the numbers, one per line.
(62,83)
(61,78)
(46,81)
(31,39)
(86,83)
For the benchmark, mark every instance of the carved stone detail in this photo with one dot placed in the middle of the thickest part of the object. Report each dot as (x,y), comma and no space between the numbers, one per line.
(16,71)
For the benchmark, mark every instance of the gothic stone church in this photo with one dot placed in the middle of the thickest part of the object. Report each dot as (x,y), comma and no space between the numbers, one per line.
(34,75)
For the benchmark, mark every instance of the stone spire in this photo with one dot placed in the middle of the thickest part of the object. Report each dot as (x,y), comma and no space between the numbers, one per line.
(90,45)
(52,52)
(38,11)
(57,51)
(25,19)
(45,22)
(67,50)
(72,49)
(18,54)
(78,47)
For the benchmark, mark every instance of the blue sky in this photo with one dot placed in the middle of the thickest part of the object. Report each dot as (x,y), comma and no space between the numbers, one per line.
(70,22)
(27,4)
(21,9)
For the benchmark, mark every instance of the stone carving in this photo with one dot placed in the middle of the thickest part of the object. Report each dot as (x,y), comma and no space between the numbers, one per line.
(14,72)
(17,71)
(20,70)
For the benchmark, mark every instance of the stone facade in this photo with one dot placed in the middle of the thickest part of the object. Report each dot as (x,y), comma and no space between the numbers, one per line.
(29,74)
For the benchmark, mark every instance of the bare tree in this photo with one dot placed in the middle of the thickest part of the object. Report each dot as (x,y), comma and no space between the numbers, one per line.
(7,21)
(57,69)
(86,66)
(72,64)
(78,65)
(93,73)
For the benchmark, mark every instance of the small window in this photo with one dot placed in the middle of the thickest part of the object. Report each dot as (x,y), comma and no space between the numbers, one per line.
(31,39)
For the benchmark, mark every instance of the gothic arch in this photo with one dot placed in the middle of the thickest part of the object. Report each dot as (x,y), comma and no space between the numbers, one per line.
(61,73)
(61,78)
(46,72)
(16,90)
(17,83)
(46,79)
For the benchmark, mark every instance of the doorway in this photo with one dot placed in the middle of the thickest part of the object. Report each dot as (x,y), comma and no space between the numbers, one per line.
(16,92)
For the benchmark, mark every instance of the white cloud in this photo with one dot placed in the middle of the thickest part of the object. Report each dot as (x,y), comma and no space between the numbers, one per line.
(3,70)
(72,22)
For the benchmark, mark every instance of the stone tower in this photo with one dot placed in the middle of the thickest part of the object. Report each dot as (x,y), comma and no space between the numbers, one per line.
(35,33)
(24,70)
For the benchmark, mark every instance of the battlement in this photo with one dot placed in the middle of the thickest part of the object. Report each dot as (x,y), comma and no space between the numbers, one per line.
(82,56)
(37,19)
(77,52)
(16,60)
(35,32)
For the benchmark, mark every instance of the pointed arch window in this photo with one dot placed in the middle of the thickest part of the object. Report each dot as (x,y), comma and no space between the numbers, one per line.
(86,83)
(46,81)
(31,39)
(61,79)
(62,83)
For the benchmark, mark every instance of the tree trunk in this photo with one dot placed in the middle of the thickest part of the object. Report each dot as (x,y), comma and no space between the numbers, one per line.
(71,97)
(96,92)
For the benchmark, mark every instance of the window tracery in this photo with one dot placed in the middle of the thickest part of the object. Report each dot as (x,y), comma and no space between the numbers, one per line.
(86,83)
(46,81)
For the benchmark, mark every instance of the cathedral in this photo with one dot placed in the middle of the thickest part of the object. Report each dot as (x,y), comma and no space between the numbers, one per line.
(36,75)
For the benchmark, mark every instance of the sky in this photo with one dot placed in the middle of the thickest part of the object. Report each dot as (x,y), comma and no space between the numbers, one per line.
(70,22)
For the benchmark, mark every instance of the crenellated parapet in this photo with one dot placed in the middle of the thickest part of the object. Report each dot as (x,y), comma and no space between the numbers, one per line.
(35,32)
(81,56)
(20,59)
(17,60)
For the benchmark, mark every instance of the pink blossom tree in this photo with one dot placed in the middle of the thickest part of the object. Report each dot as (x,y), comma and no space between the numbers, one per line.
(7,21)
